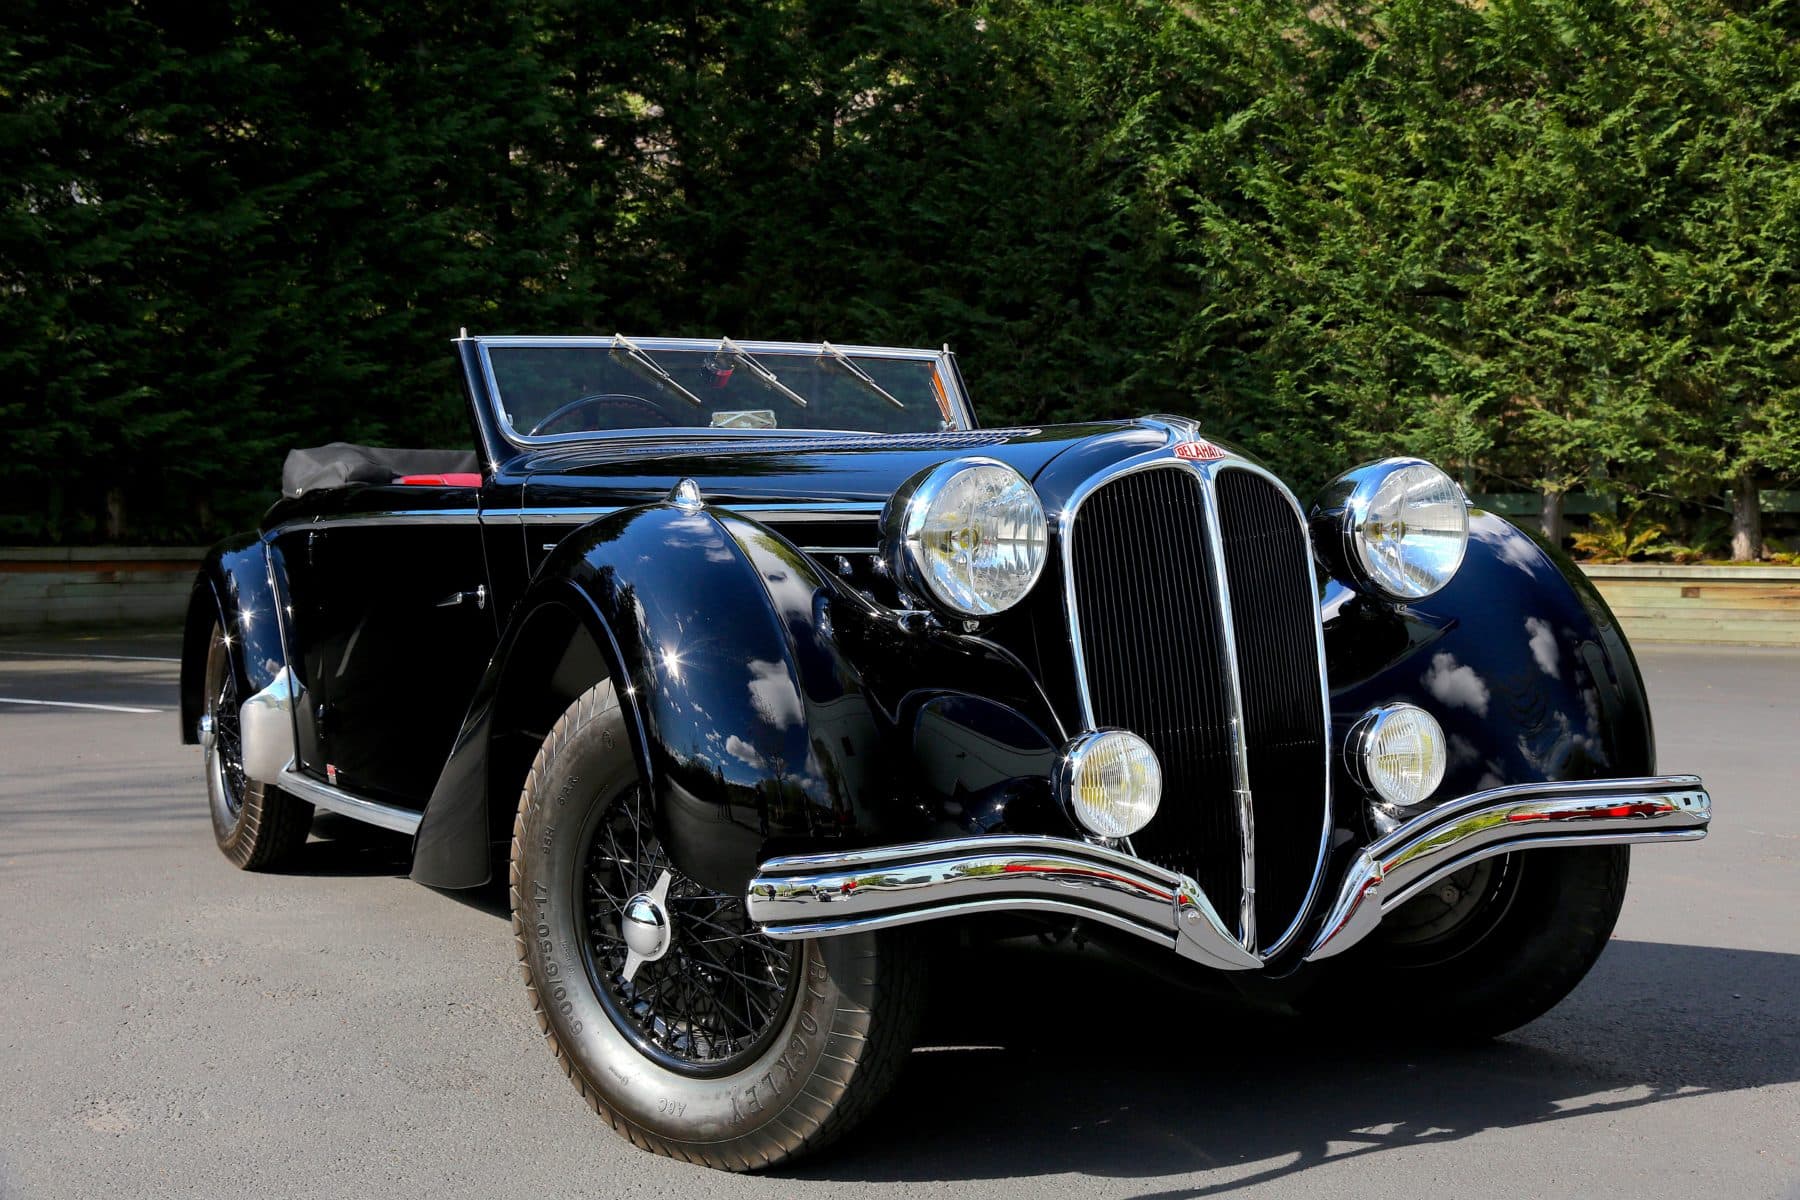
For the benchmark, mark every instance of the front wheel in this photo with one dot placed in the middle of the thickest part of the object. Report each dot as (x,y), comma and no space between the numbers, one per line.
(689,1032)
(1485,950)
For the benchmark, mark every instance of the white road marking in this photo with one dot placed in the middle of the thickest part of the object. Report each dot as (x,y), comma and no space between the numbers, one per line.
(121,708)
(109,657)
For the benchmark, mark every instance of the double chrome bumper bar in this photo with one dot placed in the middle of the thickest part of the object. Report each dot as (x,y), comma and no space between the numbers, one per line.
(819,895)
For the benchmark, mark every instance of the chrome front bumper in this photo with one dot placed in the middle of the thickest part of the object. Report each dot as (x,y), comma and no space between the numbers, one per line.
(819,895)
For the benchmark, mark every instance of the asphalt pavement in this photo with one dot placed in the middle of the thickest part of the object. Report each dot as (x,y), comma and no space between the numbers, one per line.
(170,1026)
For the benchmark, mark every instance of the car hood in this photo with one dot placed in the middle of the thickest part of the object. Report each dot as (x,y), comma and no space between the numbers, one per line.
(777,468)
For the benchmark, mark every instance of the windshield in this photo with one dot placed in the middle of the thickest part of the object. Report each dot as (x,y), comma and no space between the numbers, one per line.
(547,389)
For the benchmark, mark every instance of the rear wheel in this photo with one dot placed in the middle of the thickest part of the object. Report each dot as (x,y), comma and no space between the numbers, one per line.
(689,1032)
(257,826)
(1485,950)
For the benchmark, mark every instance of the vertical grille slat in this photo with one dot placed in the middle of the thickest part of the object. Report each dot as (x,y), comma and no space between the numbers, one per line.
(1269,568)
(1154,655)
(1156,662)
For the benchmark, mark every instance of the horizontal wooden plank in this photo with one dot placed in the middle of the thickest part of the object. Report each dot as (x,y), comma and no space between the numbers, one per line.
(1729,602)
(190,555)
(1774,633)
(130,566)
(1721,616)
(1692,572)
(1711,587)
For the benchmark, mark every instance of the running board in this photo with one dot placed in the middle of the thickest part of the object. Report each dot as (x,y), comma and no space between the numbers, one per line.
(370,812)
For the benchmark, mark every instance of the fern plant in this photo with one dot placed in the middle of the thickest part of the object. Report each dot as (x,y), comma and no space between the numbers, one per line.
(1609,539)
(1703,542)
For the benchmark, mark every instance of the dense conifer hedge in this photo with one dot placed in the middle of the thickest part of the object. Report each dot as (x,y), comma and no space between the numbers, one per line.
(1552,244)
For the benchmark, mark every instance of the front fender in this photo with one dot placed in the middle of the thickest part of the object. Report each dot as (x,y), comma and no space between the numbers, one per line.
(774,709)
(1518,658)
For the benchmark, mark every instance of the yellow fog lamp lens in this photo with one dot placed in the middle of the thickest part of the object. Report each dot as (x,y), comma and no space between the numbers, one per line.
(1398,751)
(1110,782)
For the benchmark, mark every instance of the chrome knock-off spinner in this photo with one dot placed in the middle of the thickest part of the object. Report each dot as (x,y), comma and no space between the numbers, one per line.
(644,924)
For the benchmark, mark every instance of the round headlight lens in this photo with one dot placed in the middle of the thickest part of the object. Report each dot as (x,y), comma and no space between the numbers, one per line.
(1399,751)
(1111,782)
(971,533)
(1402,525)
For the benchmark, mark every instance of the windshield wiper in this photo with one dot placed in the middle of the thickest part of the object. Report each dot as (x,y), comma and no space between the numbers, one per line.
(861,376)
(635,354)
(727,346)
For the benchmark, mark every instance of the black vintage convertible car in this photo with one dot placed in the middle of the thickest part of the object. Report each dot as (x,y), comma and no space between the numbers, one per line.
(757,665)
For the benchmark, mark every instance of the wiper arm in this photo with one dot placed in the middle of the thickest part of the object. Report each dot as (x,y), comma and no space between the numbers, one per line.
(861,376)
(634,353)
(727,346)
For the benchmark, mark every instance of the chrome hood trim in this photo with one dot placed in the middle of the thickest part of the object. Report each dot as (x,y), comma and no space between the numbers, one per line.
(1397,866)
(821,895)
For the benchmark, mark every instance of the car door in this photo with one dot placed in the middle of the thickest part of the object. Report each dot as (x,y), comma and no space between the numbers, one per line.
(389,629)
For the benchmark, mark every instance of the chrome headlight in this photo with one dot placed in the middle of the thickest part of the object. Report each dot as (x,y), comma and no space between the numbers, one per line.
(1397,527)
(970,533)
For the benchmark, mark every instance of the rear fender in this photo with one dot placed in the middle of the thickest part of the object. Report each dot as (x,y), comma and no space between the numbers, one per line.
(234,589)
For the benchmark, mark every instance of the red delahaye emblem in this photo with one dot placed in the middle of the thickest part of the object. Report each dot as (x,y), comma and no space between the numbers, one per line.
(1198,450)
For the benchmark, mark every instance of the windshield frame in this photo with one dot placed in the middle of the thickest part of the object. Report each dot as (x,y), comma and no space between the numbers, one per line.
(962,418)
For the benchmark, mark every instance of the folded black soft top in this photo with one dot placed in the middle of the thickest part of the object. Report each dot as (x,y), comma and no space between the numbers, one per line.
(341,463)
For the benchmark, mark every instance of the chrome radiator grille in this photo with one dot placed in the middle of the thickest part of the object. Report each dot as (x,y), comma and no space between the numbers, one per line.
(1162,658)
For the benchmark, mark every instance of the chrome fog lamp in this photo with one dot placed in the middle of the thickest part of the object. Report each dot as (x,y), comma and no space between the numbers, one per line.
(970,534)
(1398,752)
(1397,527)
(1110,782)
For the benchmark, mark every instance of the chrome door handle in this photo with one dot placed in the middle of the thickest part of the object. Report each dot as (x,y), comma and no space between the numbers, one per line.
(479,596)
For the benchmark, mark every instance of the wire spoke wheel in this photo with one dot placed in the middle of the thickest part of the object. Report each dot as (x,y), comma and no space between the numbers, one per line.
(719,992)
(227,742)
(689,1032)
(256,825)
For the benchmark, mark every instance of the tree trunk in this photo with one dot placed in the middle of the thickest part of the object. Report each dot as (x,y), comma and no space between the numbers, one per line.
(1550,517)
(115,514)
(1746,520)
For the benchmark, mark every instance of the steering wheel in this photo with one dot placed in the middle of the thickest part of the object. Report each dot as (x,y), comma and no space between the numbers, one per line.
(659,418)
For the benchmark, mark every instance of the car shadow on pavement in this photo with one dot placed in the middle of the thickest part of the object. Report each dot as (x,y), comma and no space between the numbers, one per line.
(342,846)
(1032,1069)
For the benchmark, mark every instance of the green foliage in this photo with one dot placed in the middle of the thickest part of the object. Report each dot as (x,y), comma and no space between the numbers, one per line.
(1540,241)
(1614,539)
(1705,538)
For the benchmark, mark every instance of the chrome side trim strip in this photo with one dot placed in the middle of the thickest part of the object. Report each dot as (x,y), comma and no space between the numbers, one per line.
(266,728)
(768,514)
(369,812)
(821,895)
(1397,866)
(403,516)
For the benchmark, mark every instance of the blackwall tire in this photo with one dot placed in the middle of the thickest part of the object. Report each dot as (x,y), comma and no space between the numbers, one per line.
(258,827)
(1548,916)
(831,1050)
